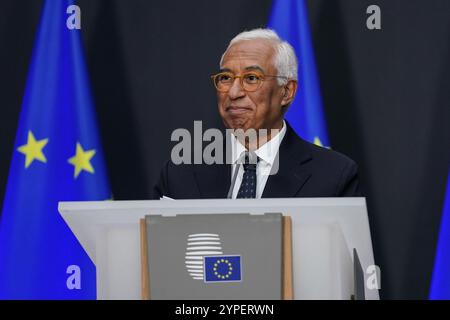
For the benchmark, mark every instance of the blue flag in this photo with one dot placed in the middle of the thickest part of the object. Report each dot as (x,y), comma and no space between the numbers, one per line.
(57,157)
(289,18)
(222,268)
(440,284)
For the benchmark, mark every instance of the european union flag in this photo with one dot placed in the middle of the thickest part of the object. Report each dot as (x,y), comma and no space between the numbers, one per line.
(440,285)
(222,268)
(57,157)
(289,19)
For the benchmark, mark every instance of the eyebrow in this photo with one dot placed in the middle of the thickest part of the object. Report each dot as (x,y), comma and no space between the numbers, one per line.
(249,68)
(255,68)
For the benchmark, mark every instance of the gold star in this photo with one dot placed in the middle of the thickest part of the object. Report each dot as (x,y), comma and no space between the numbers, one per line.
(33,150)
(317,142)
(81,160)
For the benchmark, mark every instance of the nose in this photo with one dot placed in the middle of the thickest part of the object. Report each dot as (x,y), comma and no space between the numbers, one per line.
(236,91)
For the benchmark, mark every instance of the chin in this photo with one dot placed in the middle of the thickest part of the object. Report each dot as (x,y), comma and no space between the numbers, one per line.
(238,123)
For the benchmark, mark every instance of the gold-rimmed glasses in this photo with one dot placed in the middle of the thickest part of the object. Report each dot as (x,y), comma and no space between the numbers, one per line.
(250,81)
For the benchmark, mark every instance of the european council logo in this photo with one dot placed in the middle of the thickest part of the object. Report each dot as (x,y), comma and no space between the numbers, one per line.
(200,245)
(222,269)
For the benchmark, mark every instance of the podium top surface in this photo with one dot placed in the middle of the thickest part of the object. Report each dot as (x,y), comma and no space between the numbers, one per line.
(66,208)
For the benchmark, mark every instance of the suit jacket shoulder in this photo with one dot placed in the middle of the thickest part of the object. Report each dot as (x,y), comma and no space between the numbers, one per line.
(338,169)
(320,171)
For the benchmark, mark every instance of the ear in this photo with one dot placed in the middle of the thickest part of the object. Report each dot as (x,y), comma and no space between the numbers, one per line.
(288,92)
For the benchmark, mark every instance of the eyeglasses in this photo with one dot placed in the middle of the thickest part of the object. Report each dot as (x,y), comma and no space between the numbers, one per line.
(250,81)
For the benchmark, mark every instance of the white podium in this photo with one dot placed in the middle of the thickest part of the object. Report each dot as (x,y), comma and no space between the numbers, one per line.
(324,233)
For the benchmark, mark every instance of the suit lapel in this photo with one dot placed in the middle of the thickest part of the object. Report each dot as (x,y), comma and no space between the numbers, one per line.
(292,174)
(213,180)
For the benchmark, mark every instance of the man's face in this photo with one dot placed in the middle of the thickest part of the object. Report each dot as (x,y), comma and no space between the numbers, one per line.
(262,108)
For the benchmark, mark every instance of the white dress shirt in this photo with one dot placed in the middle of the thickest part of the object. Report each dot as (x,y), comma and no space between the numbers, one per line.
(266,154)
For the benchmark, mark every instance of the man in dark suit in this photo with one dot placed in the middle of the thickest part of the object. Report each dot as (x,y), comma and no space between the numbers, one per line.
(255,85)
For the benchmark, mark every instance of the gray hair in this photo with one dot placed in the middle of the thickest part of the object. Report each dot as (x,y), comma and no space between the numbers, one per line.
(285,60)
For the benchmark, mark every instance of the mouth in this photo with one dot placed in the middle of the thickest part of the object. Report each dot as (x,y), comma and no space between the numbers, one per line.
(237,109)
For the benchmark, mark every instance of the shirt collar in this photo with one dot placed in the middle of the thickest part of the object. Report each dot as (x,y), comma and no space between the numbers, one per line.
(267,152)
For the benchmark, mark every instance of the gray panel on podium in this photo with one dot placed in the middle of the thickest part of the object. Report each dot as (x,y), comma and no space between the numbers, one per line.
(177,269)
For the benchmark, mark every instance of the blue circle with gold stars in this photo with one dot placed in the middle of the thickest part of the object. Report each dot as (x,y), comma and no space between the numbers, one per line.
(222,269)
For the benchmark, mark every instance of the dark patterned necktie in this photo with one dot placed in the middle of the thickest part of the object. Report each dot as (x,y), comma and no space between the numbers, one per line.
(248,185)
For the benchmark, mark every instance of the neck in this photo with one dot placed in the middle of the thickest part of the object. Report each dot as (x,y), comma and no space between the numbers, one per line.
(262,136)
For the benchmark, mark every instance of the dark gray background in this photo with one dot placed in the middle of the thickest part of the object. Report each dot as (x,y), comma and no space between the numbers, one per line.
(385,92)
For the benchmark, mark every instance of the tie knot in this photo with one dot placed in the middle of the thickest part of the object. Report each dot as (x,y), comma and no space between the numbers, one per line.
(250,160)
